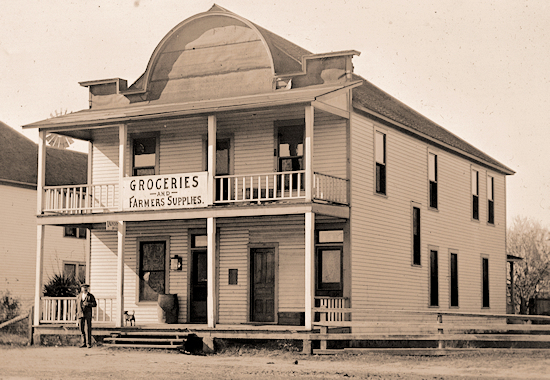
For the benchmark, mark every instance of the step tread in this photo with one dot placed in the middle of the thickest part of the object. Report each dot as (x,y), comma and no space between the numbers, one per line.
(165,346)
(144,339)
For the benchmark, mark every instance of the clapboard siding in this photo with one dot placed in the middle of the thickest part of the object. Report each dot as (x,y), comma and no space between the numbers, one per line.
(330,146)
(18,231)
(105,156)
(233,254)
(381,226)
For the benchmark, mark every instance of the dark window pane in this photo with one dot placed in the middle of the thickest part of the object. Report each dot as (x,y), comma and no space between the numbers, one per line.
(433,194)
(380,178)
(144,156)
(69,270)
(491,212)
(233,276)
(70,231)
(82,274)
(82,233)
(475,207)
(416,236)
(454,279)
(485,263)
(434,279)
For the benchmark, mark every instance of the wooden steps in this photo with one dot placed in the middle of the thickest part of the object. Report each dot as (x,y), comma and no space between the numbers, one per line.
(152,340)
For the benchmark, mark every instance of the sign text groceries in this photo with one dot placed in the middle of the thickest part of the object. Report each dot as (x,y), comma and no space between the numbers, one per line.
(162,192)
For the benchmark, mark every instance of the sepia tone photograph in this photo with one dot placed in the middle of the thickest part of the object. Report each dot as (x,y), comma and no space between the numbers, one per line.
(313,189)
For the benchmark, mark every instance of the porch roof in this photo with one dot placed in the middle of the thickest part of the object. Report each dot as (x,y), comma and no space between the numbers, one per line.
(148,110)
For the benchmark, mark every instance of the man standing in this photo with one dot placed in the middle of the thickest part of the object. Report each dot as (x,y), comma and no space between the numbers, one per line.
(85,301)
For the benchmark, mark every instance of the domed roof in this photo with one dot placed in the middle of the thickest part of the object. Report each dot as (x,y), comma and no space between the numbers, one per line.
(215,54)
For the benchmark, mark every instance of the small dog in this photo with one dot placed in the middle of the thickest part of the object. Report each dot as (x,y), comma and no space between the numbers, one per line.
(129,317)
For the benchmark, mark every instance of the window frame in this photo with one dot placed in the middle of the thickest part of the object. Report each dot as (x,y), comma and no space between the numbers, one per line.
(490,199)
(77,233)
(331,288)
(454,283)
(485,283)
(431,277)
(381,168)
(78,265)
(152,239)
(416,248)
(138,136)
(474,195)
(433,199)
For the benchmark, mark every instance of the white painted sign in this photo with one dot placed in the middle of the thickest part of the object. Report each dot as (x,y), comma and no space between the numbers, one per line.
(171,191)
(111,226)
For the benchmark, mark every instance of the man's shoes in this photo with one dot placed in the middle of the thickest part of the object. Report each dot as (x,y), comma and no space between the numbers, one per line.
(82,346)
(89,346)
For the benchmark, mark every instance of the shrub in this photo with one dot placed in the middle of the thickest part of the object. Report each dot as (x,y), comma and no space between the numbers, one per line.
(10,308)
(61,286)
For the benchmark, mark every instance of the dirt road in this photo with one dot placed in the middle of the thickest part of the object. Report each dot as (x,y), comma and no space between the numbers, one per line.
(105,363)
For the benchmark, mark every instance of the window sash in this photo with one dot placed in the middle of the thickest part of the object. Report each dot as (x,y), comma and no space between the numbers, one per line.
(485,275)
(152,270)
(380,178)
(434,279)
(454,279)
(416,236)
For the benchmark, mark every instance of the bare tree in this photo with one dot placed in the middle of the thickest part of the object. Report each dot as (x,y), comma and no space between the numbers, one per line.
(530,241)
(55,140)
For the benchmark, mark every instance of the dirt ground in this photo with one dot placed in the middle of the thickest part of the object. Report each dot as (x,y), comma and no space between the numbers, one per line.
(104,363)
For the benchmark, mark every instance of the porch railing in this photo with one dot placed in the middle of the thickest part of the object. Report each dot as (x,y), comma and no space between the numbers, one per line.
(331,303)
(81,198)
(62,310)
(329,188)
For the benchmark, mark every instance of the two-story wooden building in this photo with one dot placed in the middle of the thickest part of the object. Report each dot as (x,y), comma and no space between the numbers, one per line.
(252,178)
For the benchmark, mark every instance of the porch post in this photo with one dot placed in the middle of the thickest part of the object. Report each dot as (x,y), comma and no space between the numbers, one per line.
(212,131)
(310,268)
(120,274)
(40,233)
(211,272)
(122,138)
(41,176)
(308,152)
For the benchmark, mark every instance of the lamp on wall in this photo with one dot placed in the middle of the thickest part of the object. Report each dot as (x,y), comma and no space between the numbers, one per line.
(175,262)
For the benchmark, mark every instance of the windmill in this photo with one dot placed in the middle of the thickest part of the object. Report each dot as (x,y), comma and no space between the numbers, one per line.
(55,140)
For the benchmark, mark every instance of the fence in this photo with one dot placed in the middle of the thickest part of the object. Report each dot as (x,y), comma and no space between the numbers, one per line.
(62,310)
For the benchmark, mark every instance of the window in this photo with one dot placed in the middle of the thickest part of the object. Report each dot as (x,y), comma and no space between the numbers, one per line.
(152,269)
(380,158)
(329,281)
(485,280)
(454,279)
(144,156)
(76,270)
(416,235)
(291,155)
(490,200)
(79,233)
(432,178)
(434,279)
(475,194)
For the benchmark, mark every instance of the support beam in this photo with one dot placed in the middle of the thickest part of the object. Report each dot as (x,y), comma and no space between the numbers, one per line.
(41,177)
(308,152)
(122,139)
(211,272)
(212,131)
(40,234)
(120,275)
(309,274)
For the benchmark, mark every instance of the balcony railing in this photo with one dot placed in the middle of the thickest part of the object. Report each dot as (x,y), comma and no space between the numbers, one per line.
(266,187)
(81,198)
(62,310)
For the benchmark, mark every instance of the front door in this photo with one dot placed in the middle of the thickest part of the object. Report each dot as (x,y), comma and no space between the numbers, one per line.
(262,265)
(199,291)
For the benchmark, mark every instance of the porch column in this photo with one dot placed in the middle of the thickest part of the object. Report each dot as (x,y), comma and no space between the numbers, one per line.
(41,177)
(212,131)
(310,268)
(308,152)
(211,272)
(120,275)
(40,233)
(122,139)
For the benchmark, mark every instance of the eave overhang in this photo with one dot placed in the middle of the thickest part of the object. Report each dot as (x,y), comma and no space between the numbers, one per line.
(97,118)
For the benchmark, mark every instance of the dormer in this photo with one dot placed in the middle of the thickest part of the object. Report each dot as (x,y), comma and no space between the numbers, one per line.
(106,93)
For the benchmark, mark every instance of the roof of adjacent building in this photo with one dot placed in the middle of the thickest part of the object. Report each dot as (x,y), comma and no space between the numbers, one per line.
(19,158)
(288,58)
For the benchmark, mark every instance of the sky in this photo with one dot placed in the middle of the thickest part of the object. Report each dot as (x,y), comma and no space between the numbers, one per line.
(479,68)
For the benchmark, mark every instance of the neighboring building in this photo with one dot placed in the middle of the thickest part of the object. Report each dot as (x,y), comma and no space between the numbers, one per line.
(253,178)
(64,248)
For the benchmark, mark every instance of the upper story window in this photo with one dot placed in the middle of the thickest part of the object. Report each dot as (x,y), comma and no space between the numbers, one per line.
(490,200)
(380,158)
(432,178)
(475,194)
(144,156)
(291,156)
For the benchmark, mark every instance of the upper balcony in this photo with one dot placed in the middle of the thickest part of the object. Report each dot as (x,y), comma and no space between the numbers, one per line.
(170,191)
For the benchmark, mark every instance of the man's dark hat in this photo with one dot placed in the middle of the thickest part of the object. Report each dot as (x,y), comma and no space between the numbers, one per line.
(84,286)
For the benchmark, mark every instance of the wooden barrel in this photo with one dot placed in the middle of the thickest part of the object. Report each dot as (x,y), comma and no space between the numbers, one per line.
(168,308)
